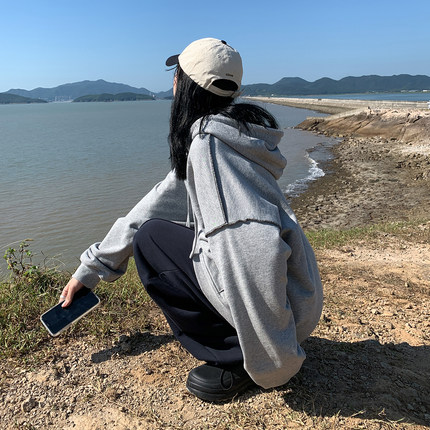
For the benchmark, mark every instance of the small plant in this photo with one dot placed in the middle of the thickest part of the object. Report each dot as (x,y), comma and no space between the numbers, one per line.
(30,291)
(19,262)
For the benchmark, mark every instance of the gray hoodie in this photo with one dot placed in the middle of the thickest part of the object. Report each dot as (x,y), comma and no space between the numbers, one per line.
(252,259)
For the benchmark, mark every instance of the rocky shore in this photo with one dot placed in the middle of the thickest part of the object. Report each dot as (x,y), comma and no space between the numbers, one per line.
(381,166)
(367,362)
(380,171)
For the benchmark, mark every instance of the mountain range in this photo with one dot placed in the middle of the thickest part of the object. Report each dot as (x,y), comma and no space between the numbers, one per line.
(348,85)
(288,86)
(78,89)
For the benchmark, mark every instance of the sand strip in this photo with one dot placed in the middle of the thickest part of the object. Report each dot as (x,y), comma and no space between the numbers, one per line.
(333,106)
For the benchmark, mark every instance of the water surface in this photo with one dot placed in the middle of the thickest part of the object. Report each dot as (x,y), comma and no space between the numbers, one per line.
(69,170)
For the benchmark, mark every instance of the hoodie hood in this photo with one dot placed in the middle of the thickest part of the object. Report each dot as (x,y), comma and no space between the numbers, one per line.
(259,144)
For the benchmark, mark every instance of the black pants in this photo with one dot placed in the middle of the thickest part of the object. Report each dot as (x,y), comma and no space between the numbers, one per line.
(161,252)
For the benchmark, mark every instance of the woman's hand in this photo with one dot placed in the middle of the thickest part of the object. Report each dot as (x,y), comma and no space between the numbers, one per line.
(69,291)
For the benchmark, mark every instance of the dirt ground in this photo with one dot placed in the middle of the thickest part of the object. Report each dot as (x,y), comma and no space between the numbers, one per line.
(368,361)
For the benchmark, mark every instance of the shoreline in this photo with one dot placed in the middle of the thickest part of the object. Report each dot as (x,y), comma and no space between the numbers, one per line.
(380,171)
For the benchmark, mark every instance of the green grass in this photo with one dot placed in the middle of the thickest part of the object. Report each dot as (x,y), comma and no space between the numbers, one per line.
(329,239)
(125,304)
(123,308)
(21,302)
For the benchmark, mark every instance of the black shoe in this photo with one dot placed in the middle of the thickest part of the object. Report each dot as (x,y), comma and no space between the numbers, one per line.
(214,384)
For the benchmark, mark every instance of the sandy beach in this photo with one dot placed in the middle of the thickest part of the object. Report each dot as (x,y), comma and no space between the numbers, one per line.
(367,362)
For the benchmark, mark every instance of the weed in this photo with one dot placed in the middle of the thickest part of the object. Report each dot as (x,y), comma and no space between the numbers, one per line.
(28,290)
(19,262)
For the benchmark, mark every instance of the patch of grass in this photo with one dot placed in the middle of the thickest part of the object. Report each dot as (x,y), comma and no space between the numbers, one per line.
(124,307)
(21,303)
(418,230)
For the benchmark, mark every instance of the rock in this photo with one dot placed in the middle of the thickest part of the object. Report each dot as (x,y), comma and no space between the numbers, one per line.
(28,404)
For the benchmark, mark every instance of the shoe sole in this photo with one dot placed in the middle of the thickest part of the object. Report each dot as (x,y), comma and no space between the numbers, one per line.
(218,397)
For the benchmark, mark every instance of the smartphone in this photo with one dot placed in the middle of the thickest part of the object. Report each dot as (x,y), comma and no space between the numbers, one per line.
(58,319)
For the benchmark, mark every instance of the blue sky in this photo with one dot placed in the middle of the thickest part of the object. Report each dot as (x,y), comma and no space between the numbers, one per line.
(45,43)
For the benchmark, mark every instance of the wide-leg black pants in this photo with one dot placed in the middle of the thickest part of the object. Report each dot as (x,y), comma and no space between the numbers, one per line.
(161,252)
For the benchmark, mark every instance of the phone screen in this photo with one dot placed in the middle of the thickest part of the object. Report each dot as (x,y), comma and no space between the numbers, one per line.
(58,319)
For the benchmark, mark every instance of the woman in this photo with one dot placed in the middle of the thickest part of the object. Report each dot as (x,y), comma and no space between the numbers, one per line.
(216,245)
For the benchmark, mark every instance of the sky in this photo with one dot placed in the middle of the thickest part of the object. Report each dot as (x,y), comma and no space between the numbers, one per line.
(45,43)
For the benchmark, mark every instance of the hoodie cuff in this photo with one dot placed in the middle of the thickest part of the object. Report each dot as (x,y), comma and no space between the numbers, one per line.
(87,276)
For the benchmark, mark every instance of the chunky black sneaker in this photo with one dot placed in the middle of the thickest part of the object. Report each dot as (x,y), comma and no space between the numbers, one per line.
(214,384)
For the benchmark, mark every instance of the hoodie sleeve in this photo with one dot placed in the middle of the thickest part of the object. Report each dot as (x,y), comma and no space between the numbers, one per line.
(108,260)
(249,261)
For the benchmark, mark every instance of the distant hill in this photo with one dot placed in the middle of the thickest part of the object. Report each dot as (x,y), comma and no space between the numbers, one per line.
(165,94)
(6,99)
(285,87)
(121,97)
(74,90)
(348,85)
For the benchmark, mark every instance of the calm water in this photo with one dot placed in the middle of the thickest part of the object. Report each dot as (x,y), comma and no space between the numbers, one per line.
(69,170)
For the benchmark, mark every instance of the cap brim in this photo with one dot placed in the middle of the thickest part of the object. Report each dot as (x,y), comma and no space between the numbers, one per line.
(171,61)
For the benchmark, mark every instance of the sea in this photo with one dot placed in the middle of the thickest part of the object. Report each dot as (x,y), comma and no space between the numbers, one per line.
(69,170)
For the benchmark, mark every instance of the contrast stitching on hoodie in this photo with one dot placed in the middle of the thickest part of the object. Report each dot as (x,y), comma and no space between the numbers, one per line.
(212,166)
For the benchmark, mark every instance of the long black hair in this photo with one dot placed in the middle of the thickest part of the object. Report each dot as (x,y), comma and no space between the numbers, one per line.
(192,102)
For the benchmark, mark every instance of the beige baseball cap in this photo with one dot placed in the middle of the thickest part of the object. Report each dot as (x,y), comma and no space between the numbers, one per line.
(209,60)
